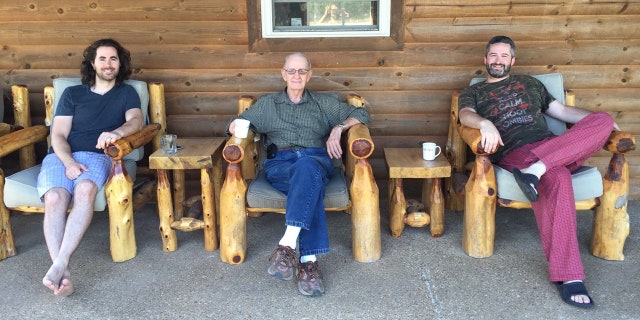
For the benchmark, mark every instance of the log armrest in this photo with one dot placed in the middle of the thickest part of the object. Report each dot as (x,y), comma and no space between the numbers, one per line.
(620,142)
(16,140)
(473,139)
(8,128)
(235,149)
(120,148)
(359,141)
(360,147)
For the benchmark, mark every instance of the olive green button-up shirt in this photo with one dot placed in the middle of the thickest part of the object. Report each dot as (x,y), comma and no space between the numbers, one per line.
(305,124)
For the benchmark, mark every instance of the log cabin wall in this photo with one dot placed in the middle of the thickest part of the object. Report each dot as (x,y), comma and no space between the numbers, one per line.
(199,49)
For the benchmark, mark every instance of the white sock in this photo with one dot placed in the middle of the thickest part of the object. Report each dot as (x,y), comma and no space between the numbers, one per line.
(537,169)
(290,238)
(311,257)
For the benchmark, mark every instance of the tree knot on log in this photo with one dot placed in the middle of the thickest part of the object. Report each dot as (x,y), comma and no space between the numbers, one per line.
(232,153)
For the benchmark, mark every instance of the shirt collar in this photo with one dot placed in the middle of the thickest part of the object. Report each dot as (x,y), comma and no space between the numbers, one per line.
(282,97)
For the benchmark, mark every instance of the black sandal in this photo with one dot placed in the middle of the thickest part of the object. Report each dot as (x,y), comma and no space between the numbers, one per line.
(528,183)
(568,290)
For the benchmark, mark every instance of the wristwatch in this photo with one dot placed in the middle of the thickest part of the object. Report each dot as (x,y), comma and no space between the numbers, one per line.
(341,125)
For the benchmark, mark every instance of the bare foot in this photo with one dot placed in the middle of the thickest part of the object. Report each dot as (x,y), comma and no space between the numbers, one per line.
(57,280)
(65,289)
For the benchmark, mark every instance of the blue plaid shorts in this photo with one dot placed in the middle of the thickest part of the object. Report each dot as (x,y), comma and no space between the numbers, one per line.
(52,173)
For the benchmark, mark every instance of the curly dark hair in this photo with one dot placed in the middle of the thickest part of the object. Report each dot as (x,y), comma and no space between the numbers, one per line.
(87,71)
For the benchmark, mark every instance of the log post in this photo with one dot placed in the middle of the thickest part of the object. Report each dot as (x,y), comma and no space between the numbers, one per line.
(165,211)
(7,246)
(22,116)
(250,159)
(233,216)
(436,205)
(208,210)
(397,207)
(478,225)
(362,133)
(365,214)
(119,192)
(178,194)
(157,111)
(218,179)
(456,153)
(611,220)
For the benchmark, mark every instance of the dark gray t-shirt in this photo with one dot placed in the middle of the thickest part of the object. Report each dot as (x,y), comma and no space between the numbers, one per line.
(515,106)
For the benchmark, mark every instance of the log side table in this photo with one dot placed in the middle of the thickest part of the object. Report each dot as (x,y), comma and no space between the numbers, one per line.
(195,153)
(408,163)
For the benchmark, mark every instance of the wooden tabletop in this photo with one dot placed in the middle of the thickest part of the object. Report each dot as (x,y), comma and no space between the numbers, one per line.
(408,163)
(195,154)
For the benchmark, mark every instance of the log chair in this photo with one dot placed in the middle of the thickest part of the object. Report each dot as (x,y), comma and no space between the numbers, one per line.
(243,158)
(481,192)
(119,187)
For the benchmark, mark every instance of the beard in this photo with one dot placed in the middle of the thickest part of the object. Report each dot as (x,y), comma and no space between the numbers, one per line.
(498,73)
(107,74)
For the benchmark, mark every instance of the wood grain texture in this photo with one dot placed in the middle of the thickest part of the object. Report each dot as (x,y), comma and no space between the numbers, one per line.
(201,51)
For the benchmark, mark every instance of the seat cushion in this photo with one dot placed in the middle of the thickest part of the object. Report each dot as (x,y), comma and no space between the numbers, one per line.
(262,195)
(586,181)
(20,188)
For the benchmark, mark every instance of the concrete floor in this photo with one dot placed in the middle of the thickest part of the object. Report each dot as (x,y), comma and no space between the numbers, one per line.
(417,277)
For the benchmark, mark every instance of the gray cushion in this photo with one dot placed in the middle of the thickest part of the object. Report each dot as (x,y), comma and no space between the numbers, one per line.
(262,195)
(586,181)
(20,188)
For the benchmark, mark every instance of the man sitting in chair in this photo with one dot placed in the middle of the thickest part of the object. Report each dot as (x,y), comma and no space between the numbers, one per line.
(88,118)
(508,110)
(303,129)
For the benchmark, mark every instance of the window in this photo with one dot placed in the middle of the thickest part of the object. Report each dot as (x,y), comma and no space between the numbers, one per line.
(302,25)
(321,18)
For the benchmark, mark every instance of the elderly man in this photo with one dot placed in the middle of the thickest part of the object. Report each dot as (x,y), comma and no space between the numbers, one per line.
(508,110)
(303,130)
(88,117)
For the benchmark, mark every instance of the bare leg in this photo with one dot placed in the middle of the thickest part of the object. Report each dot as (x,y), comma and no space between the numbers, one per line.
(63,235)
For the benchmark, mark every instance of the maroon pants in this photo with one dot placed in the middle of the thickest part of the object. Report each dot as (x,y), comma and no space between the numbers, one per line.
(555,210)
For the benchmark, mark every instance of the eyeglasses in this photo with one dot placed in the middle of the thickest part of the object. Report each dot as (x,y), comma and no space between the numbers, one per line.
(293,71)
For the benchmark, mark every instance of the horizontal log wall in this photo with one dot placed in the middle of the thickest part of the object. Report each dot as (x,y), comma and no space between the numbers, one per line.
(199,50)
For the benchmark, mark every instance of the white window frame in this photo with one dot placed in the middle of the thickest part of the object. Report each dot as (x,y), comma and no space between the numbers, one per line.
(384,24)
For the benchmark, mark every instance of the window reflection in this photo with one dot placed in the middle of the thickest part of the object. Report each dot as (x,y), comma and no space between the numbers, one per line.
(325,15)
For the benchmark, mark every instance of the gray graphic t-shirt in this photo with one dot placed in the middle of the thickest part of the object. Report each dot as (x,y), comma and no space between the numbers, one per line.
(515,106)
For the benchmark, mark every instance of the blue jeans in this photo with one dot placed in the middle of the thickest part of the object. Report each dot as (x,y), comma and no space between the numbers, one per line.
(302,174)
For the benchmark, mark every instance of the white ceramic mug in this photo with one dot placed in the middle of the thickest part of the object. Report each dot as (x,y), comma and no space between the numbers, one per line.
(430,150)
(169,143)
(241,128)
